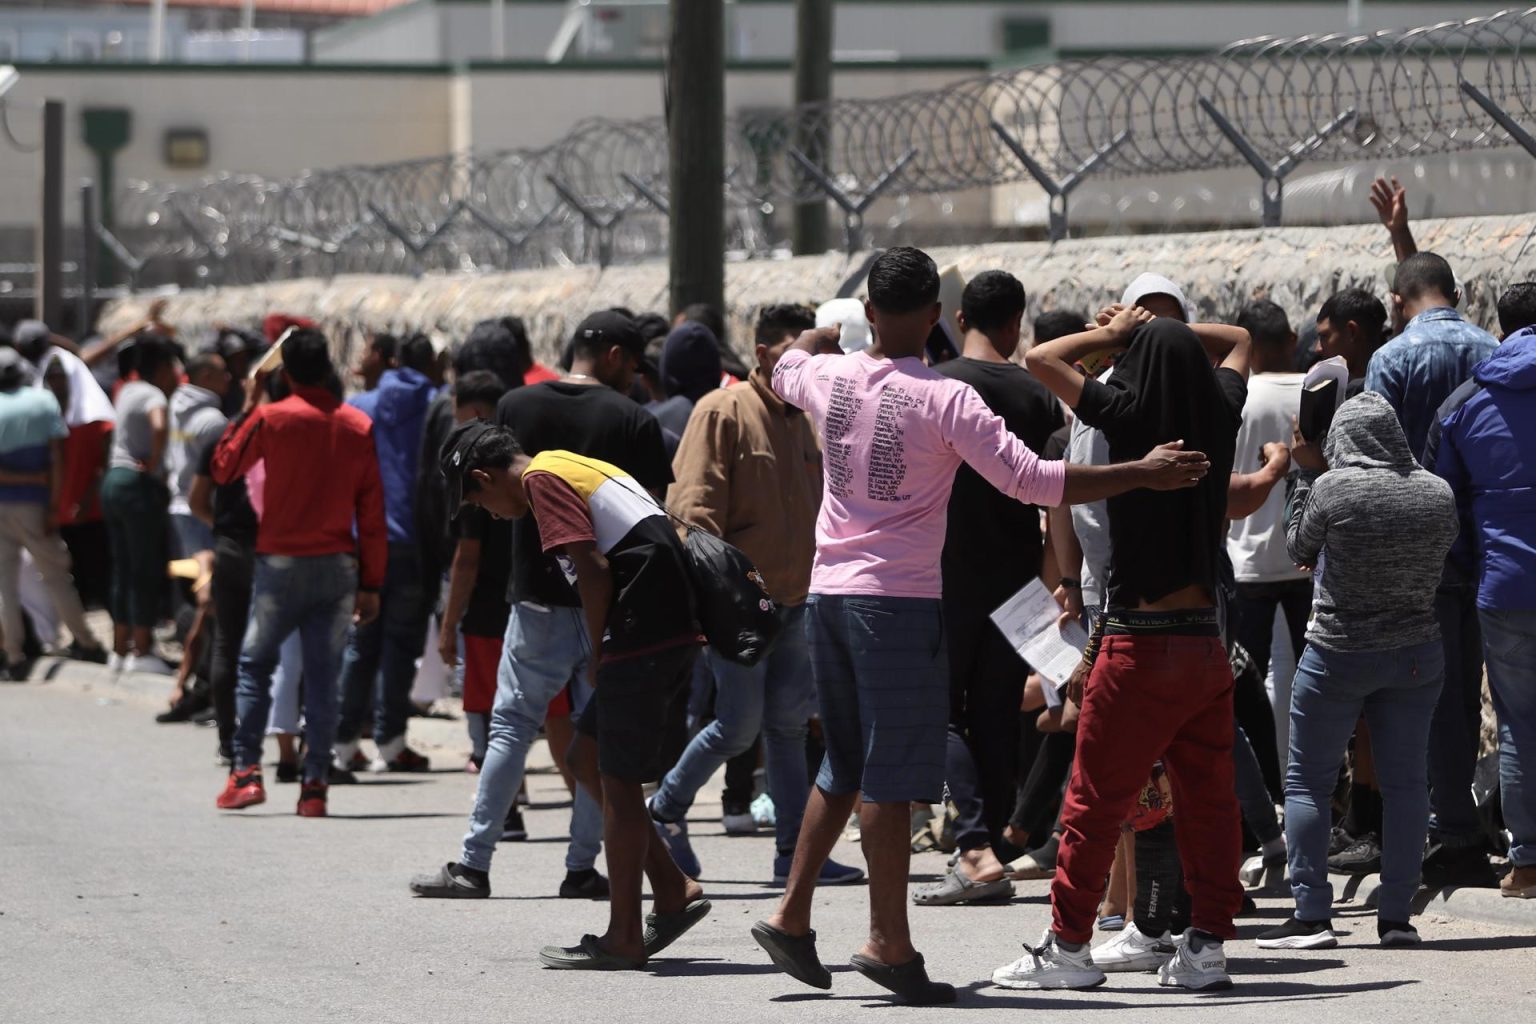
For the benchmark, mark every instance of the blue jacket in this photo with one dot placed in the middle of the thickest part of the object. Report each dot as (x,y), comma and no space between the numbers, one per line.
(1416,370)
(1488,456)
(398,408)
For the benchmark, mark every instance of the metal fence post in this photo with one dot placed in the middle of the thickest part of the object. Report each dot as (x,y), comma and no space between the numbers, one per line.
(1272,176)
(86,303)
(49,302)
(853,209)
(1058,191)
(1517,132)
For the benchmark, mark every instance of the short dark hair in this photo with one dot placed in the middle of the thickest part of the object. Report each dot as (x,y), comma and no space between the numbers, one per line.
(151,352)
(500,346)
(1422,273)
(386,345)
(307,358)
(652,326)
(1358,305)
(479,386)
(202,363)
(1266,324)
(903,280)
(785,319)
(991,300)
(1058,323)
(495,449)
(710,316)
(1517,307)
(417,353)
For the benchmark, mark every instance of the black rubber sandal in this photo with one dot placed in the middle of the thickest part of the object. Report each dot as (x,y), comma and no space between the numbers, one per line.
(795,955)
(909,980)
(661,930)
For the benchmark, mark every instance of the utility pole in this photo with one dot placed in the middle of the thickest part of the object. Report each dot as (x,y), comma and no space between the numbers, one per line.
(49,300)
(813,84)
(696,151)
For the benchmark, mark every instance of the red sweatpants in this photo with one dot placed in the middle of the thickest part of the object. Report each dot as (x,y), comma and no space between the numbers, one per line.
(482,655)
(1167,697)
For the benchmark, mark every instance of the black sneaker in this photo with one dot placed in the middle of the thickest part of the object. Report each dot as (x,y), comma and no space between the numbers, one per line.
(1362,857)
(453,882)
(513,830)
(1296,934)
(1397,934)
(182,711)
(341,777)
(1458,867)
(77,651)
(584,885)
(287,771)
(1339,840)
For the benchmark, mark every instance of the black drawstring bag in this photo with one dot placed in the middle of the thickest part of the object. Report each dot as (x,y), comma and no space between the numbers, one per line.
(739,619)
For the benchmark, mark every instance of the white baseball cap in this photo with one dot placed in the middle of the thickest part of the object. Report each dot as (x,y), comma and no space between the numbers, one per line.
(1154,284)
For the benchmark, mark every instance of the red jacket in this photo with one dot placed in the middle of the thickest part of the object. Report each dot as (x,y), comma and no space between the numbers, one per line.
(322,475)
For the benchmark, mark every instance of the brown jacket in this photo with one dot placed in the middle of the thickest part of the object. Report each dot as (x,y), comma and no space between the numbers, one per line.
(748,470)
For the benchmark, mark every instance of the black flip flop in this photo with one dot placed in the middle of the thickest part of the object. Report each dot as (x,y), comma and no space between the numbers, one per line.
(909,980)
(795,955)
(661,930)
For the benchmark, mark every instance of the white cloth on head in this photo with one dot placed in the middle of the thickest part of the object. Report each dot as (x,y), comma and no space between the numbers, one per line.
(87,402)
(1154,284)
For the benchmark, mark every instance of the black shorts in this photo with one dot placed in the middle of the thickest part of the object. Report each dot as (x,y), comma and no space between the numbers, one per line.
(628,712)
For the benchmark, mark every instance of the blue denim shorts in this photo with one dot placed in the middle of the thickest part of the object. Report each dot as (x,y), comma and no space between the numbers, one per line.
(882,676)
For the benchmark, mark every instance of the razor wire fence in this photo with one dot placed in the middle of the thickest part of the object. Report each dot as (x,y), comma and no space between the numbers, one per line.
(600,193)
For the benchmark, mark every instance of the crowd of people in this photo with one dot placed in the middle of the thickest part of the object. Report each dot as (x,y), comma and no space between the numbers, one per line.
(1209,512)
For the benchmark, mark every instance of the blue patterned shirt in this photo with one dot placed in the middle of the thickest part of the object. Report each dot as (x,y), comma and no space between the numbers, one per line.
(1417,370)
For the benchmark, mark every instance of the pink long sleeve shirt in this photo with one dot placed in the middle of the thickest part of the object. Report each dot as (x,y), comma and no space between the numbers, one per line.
(893,433)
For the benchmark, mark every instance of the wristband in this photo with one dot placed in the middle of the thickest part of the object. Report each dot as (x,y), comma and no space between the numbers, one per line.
(1070,583)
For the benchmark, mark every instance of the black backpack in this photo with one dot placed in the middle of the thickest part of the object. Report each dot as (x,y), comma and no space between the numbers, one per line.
(739,619)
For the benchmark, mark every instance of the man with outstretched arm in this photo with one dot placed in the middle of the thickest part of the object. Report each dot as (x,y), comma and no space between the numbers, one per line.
(894,432)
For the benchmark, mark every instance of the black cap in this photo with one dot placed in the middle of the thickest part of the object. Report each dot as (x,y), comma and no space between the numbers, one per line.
(455,461)
(616,329)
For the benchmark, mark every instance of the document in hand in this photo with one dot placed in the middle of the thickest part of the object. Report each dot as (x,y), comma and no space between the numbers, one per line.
(1028,621)
(1322,392)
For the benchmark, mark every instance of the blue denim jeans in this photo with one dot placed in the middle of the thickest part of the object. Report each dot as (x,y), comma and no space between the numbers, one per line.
(545,649)
(381,656)
(1396,690)
(316,597)
(1509,642)
(775,697)
(1458,722)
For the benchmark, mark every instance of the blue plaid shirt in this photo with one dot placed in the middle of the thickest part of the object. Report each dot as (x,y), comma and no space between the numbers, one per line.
(1417,370)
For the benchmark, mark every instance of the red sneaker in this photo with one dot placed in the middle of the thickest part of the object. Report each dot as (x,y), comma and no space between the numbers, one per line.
(312,800)
(408,761)
(243,789)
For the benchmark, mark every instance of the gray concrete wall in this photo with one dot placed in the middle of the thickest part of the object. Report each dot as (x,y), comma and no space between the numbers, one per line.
(1296,267)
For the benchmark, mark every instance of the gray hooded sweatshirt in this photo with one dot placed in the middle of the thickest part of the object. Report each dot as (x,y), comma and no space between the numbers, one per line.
(1379,528)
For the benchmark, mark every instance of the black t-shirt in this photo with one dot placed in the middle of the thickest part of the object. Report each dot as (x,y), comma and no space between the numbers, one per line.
(1163,541)
(992,546)
(591,420)
(434,526)
(488,607)
(233,516)
(1057,444)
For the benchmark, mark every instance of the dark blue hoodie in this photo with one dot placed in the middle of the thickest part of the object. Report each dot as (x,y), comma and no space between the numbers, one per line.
(398,408)
(1488,455)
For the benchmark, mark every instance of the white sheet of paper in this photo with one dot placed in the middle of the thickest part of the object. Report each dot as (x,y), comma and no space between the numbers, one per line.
(1028,621)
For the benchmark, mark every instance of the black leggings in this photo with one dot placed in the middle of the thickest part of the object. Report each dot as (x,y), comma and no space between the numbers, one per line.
(234,564)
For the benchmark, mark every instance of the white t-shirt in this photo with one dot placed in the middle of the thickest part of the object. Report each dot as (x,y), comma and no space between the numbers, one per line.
(1257,544)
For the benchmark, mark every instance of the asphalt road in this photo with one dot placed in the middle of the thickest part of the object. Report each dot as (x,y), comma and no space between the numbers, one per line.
(126,897)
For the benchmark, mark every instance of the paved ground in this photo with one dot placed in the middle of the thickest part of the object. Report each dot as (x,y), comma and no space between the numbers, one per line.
(124,896)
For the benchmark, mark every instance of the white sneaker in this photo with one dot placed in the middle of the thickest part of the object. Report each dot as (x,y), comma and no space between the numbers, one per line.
(1132,950)
(115,663)
(1199,971)
(388,751)
(147,665)
(1255,869)
(1050,966)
